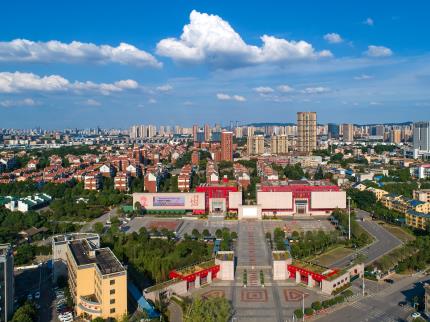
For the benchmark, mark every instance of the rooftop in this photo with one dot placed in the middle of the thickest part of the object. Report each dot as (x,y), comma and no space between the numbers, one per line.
(86,253)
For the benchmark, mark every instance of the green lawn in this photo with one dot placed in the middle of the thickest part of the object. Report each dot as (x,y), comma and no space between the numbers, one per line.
(331,256)
(400,233)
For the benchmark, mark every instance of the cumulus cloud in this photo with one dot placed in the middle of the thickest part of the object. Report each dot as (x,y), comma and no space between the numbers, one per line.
(285,89)
(363,77)
(378,51)
(210,39)
(227,97)
(164,88)
(152,101)
(92,102)
(13,103)
(264,90)
(23,50)
(369,21)
(333,38)
(22,82)
(316,90)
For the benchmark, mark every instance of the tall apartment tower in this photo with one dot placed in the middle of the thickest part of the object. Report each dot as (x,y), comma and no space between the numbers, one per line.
(227,146)
(255,144)
(348,132)
(207,132)
(279,144)
(306,131)
(195,130)
(333,131)
(6,283)
(422,136)
(396,136)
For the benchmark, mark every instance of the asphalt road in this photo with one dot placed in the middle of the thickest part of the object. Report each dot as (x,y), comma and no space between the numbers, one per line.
(384,241)
(103,218)
(382,306)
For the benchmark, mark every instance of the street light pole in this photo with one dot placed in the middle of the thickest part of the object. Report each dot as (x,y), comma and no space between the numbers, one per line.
(349,218)
(303,307)
(362,285)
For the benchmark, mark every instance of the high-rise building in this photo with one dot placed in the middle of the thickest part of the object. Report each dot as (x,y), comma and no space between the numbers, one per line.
(6,283)
(333,131)
(207,132)
(250,131)
(422,136)
(255,144)
(348,132)
(195,130)
(97,281)
(307,131)
(279,144)
(238,132)
(227,146)
(396,136)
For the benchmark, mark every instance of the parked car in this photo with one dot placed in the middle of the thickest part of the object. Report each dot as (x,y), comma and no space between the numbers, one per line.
(389,280)
(29,297)
(416,315)
(37,295)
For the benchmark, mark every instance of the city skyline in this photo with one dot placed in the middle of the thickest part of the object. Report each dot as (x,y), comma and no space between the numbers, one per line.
(197,63)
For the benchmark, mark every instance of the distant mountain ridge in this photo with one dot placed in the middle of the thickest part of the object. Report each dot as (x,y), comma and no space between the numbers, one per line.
(262,124)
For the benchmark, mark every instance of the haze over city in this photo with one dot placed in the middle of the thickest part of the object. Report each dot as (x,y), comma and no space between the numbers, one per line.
(111,64)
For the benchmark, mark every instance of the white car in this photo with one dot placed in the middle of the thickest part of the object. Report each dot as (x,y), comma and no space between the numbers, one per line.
(37,295)
(29,297)
(416,315)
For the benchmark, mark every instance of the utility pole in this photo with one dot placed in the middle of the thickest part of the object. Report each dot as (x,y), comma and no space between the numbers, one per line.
(303,307)
(349,218)
(362,284)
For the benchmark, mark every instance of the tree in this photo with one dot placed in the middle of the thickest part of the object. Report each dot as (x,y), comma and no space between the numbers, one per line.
(316,305)
(218,233)
(206,233)
(98,228)
(298,313)
(26,313)
(213,309)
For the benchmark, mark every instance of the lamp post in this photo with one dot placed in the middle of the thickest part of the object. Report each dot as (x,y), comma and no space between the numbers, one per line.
(303,307)
(349,218)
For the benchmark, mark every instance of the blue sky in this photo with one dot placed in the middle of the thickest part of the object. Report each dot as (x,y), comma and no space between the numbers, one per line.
(114,64)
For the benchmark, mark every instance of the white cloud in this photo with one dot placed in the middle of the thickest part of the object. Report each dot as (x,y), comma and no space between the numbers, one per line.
(23,50)
(316,90)
(363,77)
(369,21)
(285,89)
(239,98)
(210,39)
(22,82)
(23,102)
(264,90)
(164,88)
(378,51)
(226,97)
(333,38)
(152,101)
(375,103)
(92,102)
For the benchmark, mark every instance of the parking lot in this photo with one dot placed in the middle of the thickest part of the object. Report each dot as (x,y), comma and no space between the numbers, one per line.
(186,226)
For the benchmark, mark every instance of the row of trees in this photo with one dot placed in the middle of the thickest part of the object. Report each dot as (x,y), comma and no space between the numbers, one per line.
(313,242)
(154,258)
(359,237)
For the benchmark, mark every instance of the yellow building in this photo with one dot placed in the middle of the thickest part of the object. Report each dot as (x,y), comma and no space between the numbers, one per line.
(97,281)
(417,219)
(379,193)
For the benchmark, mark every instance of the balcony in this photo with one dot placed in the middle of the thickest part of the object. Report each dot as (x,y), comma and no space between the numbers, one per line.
(90,304)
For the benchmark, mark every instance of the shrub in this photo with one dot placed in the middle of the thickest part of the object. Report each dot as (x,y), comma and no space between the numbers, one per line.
(325,304)
(298,313)
(316,305)
(309,311)
(347,293)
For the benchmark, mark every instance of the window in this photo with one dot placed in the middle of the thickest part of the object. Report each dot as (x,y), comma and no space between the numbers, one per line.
(112,291)
(112,301)
(112,282)
(112,310)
